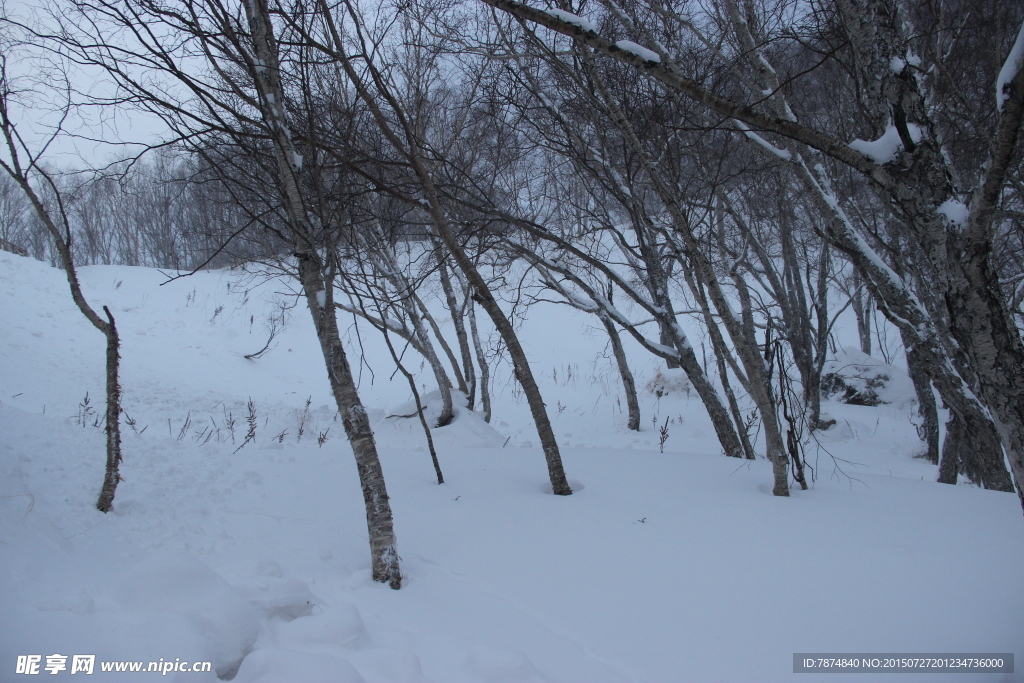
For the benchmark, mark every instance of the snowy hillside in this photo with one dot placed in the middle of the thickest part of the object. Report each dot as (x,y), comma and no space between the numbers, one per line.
(662,566)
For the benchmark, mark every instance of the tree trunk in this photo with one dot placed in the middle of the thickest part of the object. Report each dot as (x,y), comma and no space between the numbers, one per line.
(981,458)
(468,385)
(981,323)
(113,422)
(628,385)
(952,445)
(384,557)
(417,313)
(62,242)
(926,404)
(720,419)
(444,385)
(319,292)
(481,360)
(862,310)
(425,314)
(521,366)
(721,351)
(419,406)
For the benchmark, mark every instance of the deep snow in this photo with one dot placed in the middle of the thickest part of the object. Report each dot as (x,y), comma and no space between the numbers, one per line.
(674,566)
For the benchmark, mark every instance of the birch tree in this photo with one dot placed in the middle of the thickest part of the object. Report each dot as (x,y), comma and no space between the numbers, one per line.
(952,222)
(23,164)
(240,98)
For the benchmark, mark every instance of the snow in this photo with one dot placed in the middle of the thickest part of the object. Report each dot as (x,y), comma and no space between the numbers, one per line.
(955,211)
(1014,62)
(884,149)
(257,560)
(897,64)
(638,50)
(783,154)
(584,25)
(869,377)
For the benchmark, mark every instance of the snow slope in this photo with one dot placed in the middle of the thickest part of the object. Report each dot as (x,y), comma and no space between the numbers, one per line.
(674,566)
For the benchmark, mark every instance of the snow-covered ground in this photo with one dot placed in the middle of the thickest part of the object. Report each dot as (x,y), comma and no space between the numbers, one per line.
(674,566)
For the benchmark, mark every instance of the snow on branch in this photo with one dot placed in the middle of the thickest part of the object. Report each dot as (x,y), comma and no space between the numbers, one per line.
(638,50)
(1011,66)
(583,24)
(783,154)
(884,149)
(955,211)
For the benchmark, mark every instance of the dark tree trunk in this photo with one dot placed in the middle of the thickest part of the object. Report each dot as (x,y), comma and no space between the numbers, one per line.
(628,385)
(926,404)
(520,364)
(952,445)
(419,405)
(982,458)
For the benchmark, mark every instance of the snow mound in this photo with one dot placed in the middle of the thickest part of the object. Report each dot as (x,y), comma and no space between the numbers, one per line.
(855,378)
(340,626)
(466,430)
(274,596)
(274,665)
(381,665)
(184,586)
(669,381)
(497,665)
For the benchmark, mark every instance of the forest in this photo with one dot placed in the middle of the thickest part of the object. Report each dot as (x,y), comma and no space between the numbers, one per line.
(775,210)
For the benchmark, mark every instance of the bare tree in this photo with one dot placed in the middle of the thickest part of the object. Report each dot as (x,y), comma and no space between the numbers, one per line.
(23,166)
(914,176)
(234,113)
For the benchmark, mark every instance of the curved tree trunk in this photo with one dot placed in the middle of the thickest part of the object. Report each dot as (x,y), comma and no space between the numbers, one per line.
(62,242)
(384,557)
(721,351)
(481,359)
(628,385)
(520,364)
(417,312)
(444,385)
